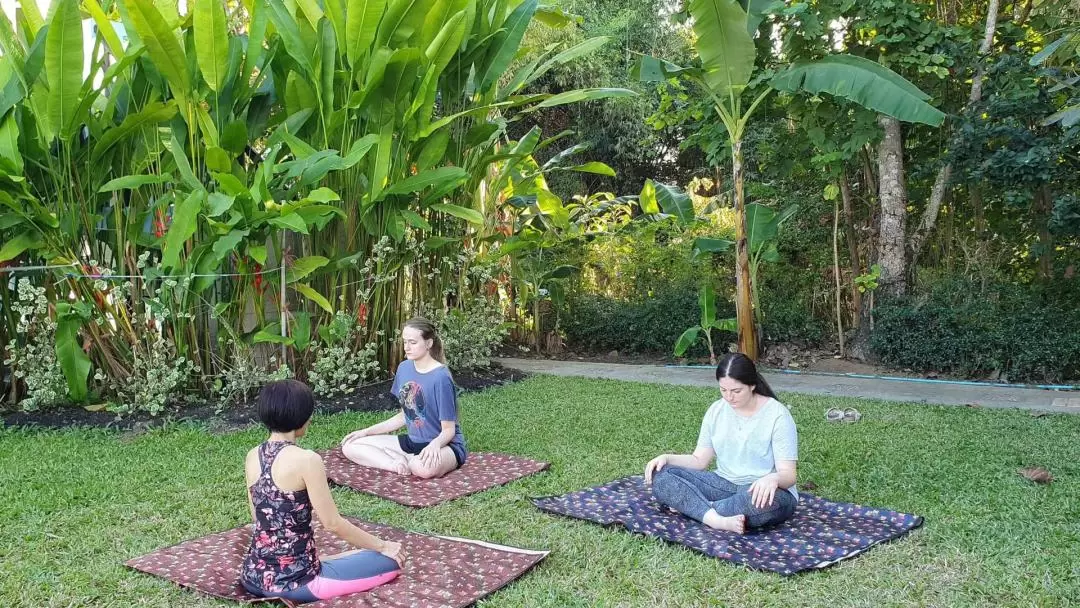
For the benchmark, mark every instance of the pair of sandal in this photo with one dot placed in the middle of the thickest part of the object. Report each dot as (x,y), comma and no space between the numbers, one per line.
(835,414)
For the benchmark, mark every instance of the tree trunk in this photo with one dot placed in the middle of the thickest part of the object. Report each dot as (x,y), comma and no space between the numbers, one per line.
(977,208)
(892,197)
(984,50)
(743,301)
(836,275)
(1043,209)
(869,179)
(853,245)
(937,194)
(930,214)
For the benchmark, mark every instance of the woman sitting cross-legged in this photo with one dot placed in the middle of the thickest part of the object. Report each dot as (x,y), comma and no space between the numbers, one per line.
(433,445)
(286,487)
(753,438)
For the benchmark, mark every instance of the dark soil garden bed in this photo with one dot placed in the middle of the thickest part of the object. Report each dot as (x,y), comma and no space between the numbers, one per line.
(369,398)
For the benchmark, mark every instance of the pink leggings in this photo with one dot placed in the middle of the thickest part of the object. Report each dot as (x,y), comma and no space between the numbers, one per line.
(353,573)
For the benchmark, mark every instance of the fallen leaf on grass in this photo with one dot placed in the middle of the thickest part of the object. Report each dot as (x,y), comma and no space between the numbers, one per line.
(1036,474)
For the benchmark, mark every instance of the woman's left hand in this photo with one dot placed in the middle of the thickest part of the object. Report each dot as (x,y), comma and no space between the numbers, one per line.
(763,491)
(429,456)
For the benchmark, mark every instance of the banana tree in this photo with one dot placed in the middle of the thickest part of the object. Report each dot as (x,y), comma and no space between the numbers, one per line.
(709,322)
(724,32)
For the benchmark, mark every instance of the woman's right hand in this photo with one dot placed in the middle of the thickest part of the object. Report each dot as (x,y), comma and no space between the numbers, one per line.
(353,436)
(654,466)
(394,551)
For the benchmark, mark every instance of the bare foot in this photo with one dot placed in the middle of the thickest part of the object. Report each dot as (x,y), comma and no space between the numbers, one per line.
(400,463)
(735,523)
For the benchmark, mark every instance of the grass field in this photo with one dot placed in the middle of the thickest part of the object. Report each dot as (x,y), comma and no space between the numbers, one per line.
(75,504)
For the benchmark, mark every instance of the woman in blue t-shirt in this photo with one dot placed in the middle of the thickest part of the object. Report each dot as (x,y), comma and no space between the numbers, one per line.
(433,445)
(753,438)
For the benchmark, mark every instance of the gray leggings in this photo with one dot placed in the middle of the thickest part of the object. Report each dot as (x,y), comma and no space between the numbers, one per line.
(693,493)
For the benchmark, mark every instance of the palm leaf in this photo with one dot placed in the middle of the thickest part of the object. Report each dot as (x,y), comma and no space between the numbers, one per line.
(505,45)
(361,25)
(294,43)
(402,20)
(105,27)
(570,54)
(162,46)
(69,353)
(864,82)
(211,42)
(63,66)
(435,20)
(580,95)
(152,114)
(725,47)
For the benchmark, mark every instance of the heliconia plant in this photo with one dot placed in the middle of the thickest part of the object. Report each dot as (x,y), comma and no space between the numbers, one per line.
(245,171)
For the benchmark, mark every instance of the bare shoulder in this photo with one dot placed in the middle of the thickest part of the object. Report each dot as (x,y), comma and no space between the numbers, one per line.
(308,459)
(251,465)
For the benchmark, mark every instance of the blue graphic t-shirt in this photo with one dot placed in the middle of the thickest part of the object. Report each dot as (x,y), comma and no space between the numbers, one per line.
(427,399)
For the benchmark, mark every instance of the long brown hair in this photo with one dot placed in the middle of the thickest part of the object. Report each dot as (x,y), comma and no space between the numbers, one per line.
(428,332)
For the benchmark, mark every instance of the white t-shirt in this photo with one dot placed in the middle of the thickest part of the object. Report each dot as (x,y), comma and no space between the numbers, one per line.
(747,448)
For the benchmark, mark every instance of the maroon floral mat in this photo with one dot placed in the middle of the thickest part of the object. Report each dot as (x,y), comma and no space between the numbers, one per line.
(440,572)
(481,471)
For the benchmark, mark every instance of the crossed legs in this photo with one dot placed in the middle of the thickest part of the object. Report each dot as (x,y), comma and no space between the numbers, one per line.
(384,452)
(716,502)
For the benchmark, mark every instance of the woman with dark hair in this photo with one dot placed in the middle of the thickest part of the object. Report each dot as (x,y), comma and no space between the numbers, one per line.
(753,439)
(433,445)
(286,486)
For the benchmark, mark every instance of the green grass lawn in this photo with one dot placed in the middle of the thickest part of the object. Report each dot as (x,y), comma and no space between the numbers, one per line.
(75,504)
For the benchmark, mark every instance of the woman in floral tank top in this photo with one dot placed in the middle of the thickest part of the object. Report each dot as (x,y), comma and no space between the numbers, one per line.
(287,486)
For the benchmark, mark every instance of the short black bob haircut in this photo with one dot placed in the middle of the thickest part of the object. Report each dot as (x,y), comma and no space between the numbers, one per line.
(285,405)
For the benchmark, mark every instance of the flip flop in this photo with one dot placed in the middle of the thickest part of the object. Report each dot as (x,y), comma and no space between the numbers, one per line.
(834,414)
(851,415)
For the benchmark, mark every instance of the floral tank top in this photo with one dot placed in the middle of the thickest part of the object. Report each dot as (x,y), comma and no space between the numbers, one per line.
(282,553)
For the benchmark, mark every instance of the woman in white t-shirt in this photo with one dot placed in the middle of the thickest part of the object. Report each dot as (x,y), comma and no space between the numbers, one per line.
(753,438)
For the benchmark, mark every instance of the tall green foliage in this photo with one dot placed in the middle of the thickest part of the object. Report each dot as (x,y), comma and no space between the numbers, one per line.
(324,157)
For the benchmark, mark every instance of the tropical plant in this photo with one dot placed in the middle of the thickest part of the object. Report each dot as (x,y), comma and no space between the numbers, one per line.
(709,322)
(248,159)
(724,43)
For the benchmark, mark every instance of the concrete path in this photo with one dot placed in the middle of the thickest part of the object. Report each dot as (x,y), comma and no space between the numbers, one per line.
(840,386)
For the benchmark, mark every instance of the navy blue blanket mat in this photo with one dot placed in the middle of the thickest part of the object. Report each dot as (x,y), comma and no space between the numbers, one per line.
(820,533)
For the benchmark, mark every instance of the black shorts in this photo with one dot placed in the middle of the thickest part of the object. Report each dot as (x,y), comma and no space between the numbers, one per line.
(412,447)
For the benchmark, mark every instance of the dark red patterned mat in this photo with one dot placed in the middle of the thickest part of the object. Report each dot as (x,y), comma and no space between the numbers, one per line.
(440,572)
(481,471)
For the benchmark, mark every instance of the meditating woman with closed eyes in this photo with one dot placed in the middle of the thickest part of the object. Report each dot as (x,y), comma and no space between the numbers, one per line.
(433,444)
(752,436)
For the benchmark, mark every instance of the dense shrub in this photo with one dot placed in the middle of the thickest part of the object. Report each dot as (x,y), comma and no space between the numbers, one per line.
(647,325)
(795,305)
(1027,334)
(470,336)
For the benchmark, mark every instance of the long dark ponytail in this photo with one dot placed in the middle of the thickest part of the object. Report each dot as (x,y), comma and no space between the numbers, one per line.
(428,332)
(738,366)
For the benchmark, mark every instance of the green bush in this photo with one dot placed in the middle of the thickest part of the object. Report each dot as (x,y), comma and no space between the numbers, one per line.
(788,298)
(470,336)
(1026,333)
(648,325)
